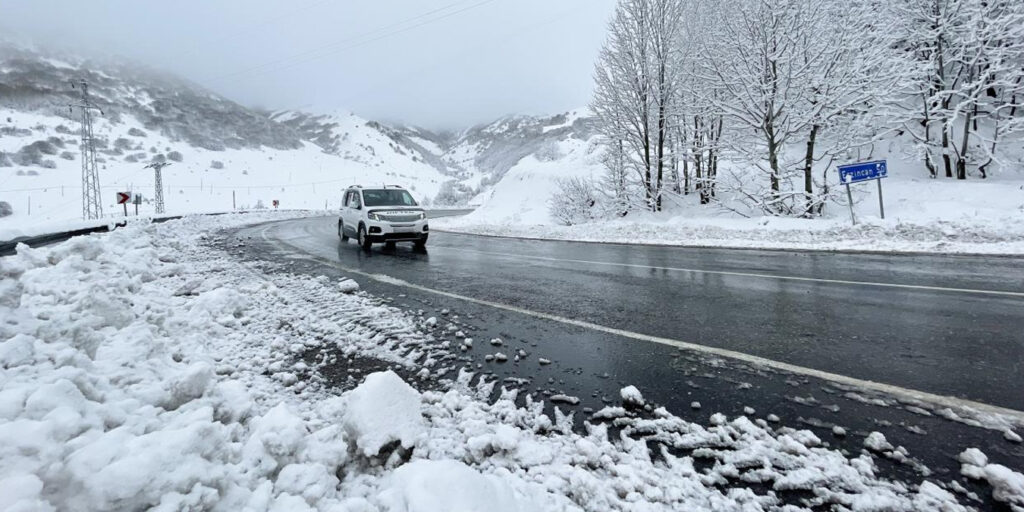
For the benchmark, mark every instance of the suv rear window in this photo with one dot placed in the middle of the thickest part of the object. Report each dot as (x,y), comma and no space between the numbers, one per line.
(388,197)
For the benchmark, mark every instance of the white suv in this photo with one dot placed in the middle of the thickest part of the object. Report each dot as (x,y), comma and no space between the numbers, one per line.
(388,214)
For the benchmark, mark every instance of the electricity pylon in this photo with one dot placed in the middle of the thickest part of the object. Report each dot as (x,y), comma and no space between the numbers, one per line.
(159,184)
(92,207)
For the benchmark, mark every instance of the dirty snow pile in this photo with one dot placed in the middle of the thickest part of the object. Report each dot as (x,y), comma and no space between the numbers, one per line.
(145,368)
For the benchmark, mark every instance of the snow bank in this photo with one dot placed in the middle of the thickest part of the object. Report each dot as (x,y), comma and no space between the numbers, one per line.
(146,369)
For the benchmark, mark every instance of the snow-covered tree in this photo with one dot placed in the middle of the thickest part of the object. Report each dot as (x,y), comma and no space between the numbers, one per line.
(636,76)
(969,55)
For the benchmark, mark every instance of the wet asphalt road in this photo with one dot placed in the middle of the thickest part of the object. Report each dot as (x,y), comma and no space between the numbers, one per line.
(958,343)
(950,326)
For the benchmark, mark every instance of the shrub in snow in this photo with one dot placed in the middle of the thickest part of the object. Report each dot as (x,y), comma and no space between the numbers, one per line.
(135,132)
(5,209)
(453,193)
(383,409)
(33,154)
(216,164)
(549,152)
(5,160)
(123,144)
(574,202)
(175,156)
(67,155)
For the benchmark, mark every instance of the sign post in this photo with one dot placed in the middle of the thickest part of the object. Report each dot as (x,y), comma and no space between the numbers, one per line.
(122,199)
(863,171)
(137,200)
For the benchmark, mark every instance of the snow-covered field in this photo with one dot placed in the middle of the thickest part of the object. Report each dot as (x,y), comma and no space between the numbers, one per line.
(203,181)
(144,368)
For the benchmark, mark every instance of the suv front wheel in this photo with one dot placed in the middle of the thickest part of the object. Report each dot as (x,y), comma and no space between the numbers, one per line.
(364,241)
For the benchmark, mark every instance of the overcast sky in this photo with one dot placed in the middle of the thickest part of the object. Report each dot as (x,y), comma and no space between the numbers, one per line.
(434,63)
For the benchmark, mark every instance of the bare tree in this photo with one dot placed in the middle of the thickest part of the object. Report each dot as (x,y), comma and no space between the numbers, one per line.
(636,77)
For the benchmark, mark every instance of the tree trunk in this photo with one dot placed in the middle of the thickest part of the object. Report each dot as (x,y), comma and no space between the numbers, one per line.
(927,123)
(947,162)
(661,146)
(808,165)
(773,164)
(961,160)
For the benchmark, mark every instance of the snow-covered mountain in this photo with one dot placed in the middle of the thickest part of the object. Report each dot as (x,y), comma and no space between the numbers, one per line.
(225,155)
(474,160)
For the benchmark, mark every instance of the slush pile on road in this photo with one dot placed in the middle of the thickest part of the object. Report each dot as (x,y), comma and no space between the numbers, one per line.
(142,368)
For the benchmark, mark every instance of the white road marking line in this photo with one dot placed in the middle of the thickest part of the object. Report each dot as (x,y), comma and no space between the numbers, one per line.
(897,391)
(744,274)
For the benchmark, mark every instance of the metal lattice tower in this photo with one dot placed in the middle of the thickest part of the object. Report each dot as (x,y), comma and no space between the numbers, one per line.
(159,184)
(92,207)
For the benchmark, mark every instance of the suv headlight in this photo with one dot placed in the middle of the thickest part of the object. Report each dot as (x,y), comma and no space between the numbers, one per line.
(423,215)
(374,216)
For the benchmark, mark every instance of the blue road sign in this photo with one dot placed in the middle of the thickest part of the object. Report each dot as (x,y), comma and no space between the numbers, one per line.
(863,171)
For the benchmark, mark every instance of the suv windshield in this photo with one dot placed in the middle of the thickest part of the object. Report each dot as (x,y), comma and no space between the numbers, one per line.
(388,197)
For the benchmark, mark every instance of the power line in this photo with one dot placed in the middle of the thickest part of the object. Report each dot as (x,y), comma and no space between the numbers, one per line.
(331,48)
(526,29)
(265,21)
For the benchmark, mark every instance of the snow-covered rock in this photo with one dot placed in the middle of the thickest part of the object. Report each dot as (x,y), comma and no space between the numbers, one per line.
(381,410)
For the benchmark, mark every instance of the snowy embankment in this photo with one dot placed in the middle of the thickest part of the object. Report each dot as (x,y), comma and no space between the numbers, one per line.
(922,215)
(143,368)
(1003,237)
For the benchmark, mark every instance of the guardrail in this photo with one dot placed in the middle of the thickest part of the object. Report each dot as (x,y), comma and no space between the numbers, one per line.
(9,247)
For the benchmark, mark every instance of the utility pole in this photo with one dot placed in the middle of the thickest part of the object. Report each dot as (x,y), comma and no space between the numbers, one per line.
(92,206)
(159,184)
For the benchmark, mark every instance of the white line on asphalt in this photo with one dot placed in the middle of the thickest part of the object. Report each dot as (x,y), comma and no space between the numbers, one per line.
(897,391)
(744,274)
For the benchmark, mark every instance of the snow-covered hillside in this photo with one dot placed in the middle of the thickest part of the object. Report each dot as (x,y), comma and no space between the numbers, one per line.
(227,156)
(223,155)
(473,160)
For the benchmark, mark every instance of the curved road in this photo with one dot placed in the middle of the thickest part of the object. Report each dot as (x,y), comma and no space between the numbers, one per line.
(944,325)
(819,339)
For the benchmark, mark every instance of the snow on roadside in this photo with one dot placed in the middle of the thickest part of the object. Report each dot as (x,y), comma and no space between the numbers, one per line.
(1000,236)
(141,368)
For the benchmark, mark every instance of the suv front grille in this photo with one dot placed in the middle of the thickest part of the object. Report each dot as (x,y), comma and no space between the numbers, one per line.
(399,216)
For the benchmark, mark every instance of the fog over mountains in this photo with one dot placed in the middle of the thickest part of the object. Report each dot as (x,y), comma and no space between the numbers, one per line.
(151,115)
